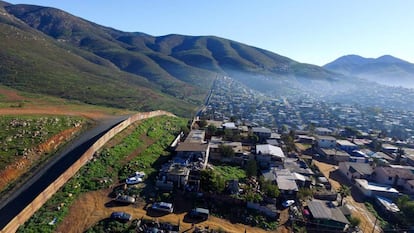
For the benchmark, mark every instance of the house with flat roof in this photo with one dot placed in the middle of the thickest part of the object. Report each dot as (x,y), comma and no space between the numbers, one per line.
(216,145)
(371,189)
(335,155)
(192,152)
(323,131)
(394,176)
(346,145)
(269,156)
(262,132)
(286,182)
(176,173)
(325,141)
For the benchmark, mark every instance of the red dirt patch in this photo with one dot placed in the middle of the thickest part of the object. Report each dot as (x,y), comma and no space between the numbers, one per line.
(22,165)
(11,95)
(46,110)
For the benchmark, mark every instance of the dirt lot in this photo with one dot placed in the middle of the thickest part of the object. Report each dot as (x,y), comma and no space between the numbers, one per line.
(358,208)
(90,208)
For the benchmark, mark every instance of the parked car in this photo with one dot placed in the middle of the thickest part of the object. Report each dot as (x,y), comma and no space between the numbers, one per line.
(163,206)
(133,180)
(121,216)
(125,199)
(199,213)
(139,174)
(288,203)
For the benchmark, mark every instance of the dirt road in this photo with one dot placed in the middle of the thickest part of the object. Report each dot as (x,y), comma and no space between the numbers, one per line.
(358,209)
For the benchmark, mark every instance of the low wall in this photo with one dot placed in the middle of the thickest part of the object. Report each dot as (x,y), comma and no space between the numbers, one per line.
(41,199)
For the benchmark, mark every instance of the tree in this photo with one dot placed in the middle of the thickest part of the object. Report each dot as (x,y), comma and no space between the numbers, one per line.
(202,123)
(376,145)
(226,151)
(253,138)
(344,191)
(304,193)
(228,134)
(354,221)
(289,140)
(212,181)
(211,130)
(271,190)
(251,168)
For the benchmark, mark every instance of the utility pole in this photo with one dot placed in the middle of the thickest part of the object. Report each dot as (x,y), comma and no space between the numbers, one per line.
(375,224)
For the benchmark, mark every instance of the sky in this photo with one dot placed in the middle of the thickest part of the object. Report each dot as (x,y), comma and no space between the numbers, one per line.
(309,31)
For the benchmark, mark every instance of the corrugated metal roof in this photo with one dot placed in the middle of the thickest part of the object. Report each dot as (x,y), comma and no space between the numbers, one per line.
(325,210)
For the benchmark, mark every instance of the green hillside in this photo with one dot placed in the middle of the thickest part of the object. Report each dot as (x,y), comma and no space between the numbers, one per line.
(53,52)
(33,62)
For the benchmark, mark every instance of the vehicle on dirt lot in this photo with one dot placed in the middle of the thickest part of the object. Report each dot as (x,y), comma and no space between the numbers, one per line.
(163,206)
(199,213)
(125,199)
(288,203)
(121,216)
(133,180)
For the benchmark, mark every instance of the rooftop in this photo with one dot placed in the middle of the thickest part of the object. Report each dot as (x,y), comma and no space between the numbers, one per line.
(189,146)
(328,138)
(285,180)
(388,204)
(345,143)
(401,172)
(196,136)
(361,168)
(326,210)
(261,130)
(375,187)
(270,149)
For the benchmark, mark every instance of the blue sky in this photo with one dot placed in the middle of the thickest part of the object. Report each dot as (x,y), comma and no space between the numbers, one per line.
(310,31)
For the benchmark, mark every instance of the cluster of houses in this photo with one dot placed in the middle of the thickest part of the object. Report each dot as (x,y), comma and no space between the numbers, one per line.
(298,111)
(194,153)
(383,175)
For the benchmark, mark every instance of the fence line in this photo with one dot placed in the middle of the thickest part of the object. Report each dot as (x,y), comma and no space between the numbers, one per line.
(47,193)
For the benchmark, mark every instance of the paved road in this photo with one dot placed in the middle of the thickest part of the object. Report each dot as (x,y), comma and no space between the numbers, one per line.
(16,202)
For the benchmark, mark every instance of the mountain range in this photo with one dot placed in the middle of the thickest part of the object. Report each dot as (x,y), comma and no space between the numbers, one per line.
(49,51)
(386,69)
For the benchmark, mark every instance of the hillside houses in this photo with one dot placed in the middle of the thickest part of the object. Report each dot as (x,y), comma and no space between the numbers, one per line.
(269,156)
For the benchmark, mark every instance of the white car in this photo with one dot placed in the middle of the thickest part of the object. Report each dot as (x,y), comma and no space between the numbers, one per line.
(139,174)
(288,203)
(133,180)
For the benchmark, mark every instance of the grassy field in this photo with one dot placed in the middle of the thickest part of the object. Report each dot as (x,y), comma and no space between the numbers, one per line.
(230,172)
(152,137)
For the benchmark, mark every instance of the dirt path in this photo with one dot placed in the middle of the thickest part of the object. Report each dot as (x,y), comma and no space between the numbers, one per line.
(22,105)
(358,209)
(50,110)
(11,95)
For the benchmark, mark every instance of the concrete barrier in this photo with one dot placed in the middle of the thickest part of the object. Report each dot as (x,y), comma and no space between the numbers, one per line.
(46,194)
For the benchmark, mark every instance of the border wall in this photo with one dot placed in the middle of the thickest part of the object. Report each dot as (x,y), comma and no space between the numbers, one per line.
(46,194)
